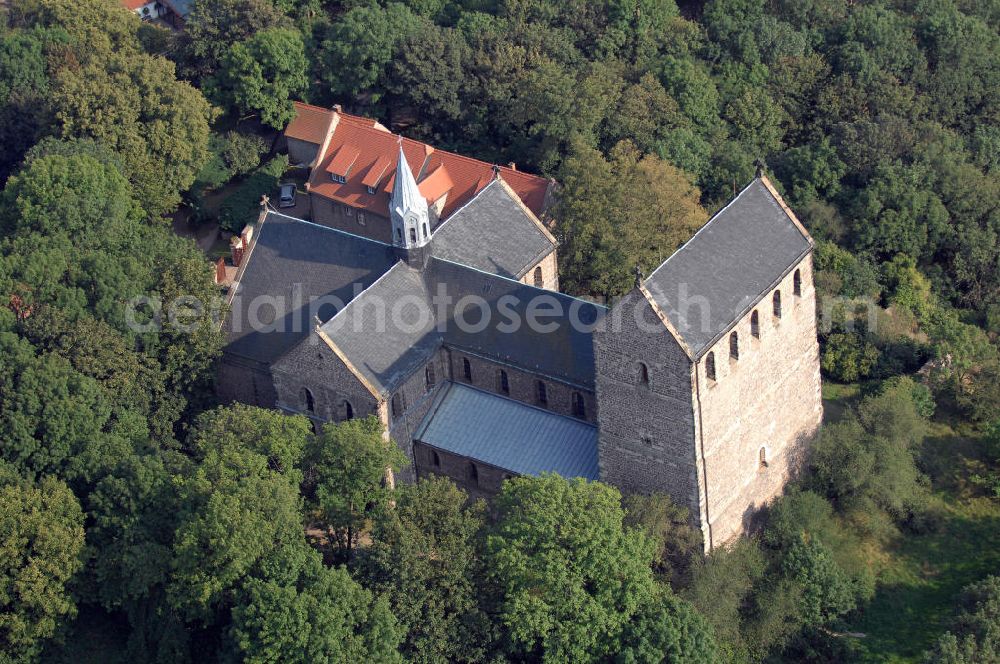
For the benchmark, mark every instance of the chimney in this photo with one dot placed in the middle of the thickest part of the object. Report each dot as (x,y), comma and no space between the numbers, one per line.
(512,166)
(220,270)
(237,248)
(247,235)
(337,108)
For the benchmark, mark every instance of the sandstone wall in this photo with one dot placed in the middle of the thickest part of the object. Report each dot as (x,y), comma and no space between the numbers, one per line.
(646,430)
(484,483)
(767,399)
(312,365)
(523,385)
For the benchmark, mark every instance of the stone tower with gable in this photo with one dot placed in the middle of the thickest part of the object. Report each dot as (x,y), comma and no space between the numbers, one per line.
(707,372)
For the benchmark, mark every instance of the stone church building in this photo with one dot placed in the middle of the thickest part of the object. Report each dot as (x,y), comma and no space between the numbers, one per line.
(434,306)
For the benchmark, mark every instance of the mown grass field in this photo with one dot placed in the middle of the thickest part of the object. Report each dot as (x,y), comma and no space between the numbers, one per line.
(920,576)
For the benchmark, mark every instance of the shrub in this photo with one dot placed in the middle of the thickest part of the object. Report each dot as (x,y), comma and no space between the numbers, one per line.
(243,205)
(242,152)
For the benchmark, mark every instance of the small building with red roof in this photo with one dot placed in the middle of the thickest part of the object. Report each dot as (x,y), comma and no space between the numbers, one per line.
(353,162)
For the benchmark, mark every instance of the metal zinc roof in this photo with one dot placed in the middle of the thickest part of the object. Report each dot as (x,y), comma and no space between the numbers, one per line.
(509,434)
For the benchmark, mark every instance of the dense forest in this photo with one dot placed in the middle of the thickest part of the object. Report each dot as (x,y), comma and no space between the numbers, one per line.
(141,521)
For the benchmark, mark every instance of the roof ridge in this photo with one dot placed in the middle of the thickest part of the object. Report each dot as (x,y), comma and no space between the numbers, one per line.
(521,283)
(703,227)
(363,291)
(328,228)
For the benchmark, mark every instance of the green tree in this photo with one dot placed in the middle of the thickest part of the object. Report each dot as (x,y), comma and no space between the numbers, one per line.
(424,555)
(41,541)
(668,525)
(263,75)
(239,506)
(134,104)
(75,195)
(53,420)
(826,591)
(352,462)
(358,48)
(975,635)
(212,28)
(667,630)
(323,615)
(568,575)
(620,212)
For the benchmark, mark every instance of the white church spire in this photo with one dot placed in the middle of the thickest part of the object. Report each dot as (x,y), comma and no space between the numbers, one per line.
(408,208)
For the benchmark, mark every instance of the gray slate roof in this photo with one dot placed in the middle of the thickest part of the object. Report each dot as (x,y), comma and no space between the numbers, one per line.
(492,232)
(509,434)
(729,264)
(387,353)
(292,262)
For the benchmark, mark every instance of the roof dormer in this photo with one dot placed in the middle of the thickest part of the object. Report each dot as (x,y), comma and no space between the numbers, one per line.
(340,166)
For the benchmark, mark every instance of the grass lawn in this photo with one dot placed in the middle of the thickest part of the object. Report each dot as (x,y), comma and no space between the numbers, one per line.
(921,575)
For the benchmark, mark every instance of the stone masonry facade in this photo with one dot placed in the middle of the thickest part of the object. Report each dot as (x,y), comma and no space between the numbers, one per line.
(721,428)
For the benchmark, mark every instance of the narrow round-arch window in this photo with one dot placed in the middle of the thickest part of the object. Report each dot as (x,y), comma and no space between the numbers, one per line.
(755,324)
(579,406)
(467,369)
(308,400)
(348,410)
(473,473)
(435,459)
(710,366)
(797,283)
(776,300)
(542,394)
(538,277)
(734,346)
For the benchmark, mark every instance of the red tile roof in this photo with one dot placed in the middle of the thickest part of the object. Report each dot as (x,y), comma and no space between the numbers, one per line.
(135,4)
(343,160)
(311,123)
(437,172)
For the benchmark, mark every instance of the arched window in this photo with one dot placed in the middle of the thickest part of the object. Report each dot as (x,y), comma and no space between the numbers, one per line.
(734,346)
(397,407)
(413,235)
(777,303)
(467,369)
(579,406)
(473,473)
(797,283)
(755,324)
(762,457)
(710,366)
(425,231)
(308,400)
(399,235)
(430,377)
(348,410)
(435,459)
(538,277)
(542,394)
(643,374)
(503,382)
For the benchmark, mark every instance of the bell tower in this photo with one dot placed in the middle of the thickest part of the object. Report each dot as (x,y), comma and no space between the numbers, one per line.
(409,214)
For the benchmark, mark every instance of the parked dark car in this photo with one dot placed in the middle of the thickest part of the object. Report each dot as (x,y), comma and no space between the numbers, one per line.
(286,198)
